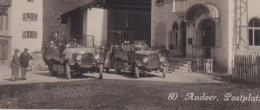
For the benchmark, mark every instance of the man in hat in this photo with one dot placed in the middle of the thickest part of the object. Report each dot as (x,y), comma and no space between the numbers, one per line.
(15,64)
(24,59)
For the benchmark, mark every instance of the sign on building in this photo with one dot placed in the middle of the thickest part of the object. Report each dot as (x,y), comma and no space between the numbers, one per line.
(179,5)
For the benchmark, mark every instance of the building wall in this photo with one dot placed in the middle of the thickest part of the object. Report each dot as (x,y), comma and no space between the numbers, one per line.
(18,25)
(51,12)
(163,19)
(252,13)
(95,23)
(5,37)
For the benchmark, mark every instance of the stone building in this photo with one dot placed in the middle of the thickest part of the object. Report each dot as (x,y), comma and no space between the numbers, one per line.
(5,37)
(29,23)
(205,29)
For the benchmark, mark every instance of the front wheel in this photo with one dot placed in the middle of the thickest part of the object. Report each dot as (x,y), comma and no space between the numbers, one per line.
(50,67)
(67,70)
(137,72)
(164,71)
(101,70)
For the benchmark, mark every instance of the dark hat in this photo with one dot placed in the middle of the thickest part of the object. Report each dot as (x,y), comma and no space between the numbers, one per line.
(16,50)
(25,49)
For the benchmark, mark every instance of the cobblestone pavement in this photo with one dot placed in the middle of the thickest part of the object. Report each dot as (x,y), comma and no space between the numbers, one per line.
(41,77)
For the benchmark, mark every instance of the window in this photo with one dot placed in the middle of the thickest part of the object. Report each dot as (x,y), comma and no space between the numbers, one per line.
(159,2)
(6,21)
(1,22)
(29,34)
(254,32)
(30,17)
(174,37)
(29,0)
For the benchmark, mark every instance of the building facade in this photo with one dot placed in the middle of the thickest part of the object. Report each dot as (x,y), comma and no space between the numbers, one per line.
(29,23)
(26,24)
(5,36)
(110,21)
(20,26)
(205,29)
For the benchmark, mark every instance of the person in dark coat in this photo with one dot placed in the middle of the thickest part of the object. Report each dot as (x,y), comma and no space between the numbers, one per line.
(15,64)
(24,59)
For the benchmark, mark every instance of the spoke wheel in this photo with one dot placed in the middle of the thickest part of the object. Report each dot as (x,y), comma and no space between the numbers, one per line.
(101,70)
(164,71)
(67,70)
(137,72)
(50,67)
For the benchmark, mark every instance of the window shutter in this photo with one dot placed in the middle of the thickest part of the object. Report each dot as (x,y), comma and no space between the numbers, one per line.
(24,34)
(35,35)
(35,17)
(24,16)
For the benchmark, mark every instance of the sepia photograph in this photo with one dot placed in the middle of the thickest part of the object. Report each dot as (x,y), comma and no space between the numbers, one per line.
(130,54)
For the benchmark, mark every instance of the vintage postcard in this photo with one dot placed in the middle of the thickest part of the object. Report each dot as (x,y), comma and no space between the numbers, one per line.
(130,54)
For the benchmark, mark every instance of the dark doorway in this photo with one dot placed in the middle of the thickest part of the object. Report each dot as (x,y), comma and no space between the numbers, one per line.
(183,39)
(3,50)
(208,36)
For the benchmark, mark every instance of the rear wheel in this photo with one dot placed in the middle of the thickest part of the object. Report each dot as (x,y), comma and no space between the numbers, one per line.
(67,70)
(51,71)
(107,70)
(50,67)
(137,72)
(117,69)
(101,70)
(164,71)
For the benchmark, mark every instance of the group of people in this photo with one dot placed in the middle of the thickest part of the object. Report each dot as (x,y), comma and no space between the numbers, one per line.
(20,62)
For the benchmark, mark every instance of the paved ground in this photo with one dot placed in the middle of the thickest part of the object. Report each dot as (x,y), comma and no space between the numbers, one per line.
(123,91)
(38,77)
(111,94)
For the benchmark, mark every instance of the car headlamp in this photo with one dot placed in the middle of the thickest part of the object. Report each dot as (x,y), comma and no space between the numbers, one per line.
(162,59)
(78,57)
(97,57)
(145,60)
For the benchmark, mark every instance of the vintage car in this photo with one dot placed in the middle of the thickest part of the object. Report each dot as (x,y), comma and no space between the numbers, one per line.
(135,57)
(74,59)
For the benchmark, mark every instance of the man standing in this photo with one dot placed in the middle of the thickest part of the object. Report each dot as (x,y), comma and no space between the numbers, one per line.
(24,59)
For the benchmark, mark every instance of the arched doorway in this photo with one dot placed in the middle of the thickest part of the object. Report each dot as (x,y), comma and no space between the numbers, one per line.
(183,39)
(173,40)
(207,31)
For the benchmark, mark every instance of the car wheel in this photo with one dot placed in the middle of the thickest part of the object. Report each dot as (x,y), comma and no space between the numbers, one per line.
(50,67)
(67,70)
(101,70)
(107,70)
(51,71)
(164,71)
(137,72)
(117,70)
(79,73)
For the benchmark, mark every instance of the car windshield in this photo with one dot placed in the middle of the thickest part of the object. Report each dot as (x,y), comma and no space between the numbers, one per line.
(140,45)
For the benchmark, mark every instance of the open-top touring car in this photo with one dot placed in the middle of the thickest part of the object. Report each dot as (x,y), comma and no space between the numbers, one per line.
(73,58)
(135,57)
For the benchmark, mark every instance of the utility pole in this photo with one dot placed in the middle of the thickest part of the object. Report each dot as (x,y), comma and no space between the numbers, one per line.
(240,24)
